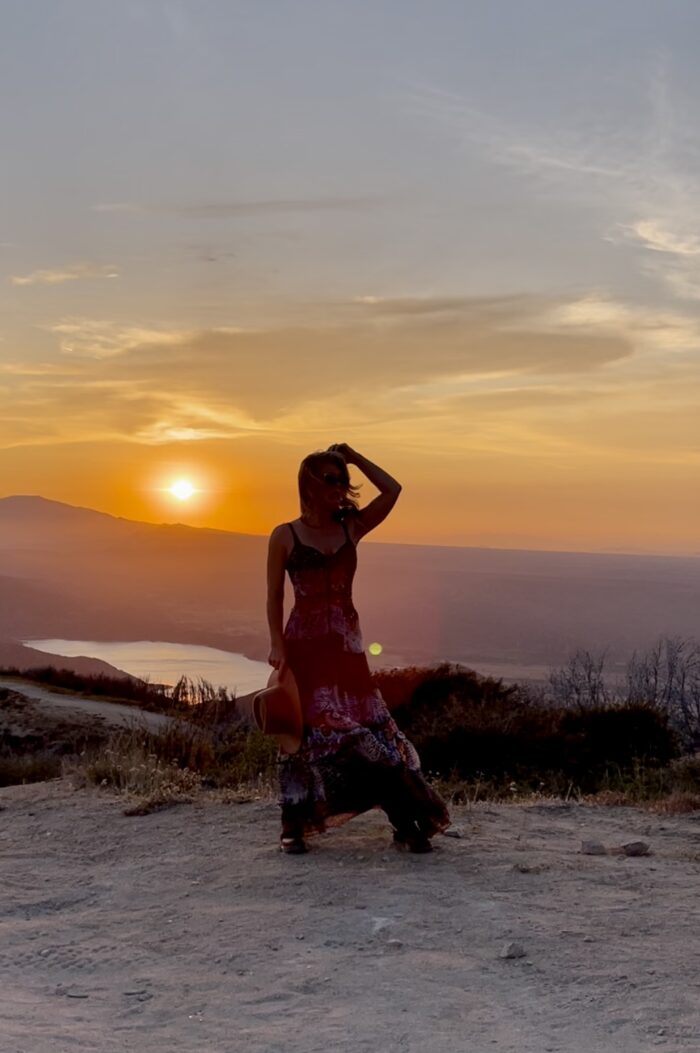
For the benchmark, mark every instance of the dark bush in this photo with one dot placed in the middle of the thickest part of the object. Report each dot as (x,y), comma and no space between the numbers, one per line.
(473,727)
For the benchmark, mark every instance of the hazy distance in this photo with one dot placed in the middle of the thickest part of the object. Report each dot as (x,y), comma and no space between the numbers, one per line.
(75,573)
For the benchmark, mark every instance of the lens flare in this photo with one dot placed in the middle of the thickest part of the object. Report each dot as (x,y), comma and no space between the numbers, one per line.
(375,648)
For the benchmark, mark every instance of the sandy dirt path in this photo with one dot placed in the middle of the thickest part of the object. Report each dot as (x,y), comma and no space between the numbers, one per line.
(75,705)
(186,930)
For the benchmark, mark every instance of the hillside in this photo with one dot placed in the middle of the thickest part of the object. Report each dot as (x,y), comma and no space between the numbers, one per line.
(16,656)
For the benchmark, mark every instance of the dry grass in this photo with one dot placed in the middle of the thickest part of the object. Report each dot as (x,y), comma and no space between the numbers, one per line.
(671,790)
(157,770)
(677,803)
(28,767)
(127,766)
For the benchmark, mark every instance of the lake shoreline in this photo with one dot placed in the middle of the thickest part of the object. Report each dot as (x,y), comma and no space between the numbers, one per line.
(165,661)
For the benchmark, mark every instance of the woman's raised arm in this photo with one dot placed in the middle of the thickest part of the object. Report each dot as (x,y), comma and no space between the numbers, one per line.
(389,488)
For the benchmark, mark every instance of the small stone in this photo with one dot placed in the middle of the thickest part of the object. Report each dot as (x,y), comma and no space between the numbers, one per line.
(593,848)
(453,831)
(631,848)
(512,950)
(395,945)
(636,848)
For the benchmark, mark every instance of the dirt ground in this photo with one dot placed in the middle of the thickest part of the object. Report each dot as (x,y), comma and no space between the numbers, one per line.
(187,930)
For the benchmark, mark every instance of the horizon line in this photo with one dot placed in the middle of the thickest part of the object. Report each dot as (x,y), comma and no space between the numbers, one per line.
(644,554)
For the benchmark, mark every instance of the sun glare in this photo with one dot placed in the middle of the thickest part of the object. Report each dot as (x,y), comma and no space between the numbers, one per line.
(182,489)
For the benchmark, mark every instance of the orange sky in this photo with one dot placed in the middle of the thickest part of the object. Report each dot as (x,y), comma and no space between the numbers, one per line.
(234,240)
(494,501)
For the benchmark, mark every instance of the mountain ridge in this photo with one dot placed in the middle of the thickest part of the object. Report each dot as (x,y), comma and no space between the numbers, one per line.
(28,502)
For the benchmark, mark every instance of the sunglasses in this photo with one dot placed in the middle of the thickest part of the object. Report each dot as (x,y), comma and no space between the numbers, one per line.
(331,479)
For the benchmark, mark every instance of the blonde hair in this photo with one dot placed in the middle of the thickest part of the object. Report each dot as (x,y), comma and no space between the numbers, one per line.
(310,470)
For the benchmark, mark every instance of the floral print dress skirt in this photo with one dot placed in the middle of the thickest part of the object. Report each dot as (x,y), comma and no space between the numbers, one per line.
(353,756)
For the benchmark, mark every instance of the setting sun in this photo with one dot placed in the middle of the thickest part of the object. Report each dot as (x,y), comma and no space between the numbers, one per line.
(182,489)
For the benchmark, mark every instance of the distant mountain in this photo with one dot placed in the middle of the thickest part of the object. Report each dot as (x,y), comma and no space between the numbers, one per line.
(81,574)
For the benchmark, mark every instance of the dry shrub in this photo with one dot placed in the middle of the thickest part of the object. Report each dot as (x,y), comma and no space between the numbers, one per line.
(130,765)
(677,803)
(685,774)
(169,767)
(29,767)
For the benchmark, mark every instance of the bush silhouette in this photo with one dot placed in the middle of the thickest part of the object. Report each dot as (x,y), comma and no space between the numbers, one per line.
(473,727)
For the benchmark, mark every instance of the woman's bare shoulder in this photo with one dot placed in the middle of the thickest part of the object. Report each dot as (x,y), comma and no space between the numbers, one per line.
(282,527)
(281,540)
(280,533)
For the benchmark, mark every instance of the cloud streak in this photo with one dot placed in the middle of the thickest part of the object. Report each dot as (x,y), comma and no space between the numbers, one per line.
(92,338)
(372,365)
(491,374)
(642,179)
(236,209)
(72,273)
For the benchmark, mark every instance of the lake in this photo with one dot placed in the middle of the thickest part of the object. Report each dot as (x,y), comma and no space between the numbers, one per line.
(165,663)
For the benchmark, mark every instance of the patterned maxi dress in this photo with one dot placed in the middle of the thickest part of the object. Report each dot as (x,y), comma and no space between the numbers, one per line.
(353,756)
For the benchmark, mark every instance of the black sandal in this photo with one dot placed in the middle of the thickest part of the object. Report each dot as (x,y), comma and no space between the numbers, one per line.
(413,840)
(293,846)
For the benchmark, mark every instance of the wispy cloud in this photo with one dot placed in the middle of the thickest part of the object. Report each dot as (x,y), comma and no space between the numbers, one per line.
(671,255)
(36,369)
(233,209)
(91,338)
(529,150)
(642,177)
(511,376)
(66,274)
(646,328)
(185,420)
(654,235)
(227,381)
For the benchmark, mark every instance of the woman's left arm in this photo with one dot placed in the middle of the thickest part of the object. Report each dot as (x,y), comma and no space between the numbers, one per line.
(389,488)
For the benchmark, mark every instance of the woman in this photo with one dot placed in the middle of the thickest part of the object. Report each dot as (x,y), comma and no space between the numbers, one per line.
(353,756)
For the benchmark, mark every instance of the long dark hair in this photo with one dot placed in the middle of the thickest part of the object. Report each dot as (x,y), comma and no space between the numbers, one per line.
(310,469)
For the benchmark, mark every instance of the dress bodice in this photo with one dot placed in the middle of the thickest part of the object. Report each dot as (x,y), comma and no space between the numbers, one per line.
(315,573)
(322,584)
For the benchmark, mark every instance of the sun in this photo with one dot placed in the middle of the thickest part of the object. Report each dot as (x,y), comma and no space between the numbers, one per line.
(182,489)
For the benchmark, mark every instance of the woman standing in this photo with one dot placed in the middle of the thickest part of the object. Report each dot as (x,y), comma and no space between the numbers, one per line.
(353,757)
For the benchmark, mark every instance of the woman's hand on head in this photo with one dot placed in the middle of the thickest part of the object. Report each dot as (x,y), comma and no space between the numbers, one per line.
(345,451)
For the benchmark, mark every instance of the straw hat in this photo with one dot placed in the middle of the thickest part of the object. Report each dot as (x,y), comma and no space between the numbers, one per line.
(277,709)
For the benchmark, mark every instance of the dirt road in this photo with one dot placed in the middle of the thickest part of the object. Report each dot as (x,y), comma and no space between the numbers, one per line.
(109,712)
(187,930)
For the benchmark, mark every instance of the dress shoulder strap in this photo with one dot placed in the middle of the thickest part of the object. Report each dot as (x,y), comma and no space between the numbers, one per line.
(294,533)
